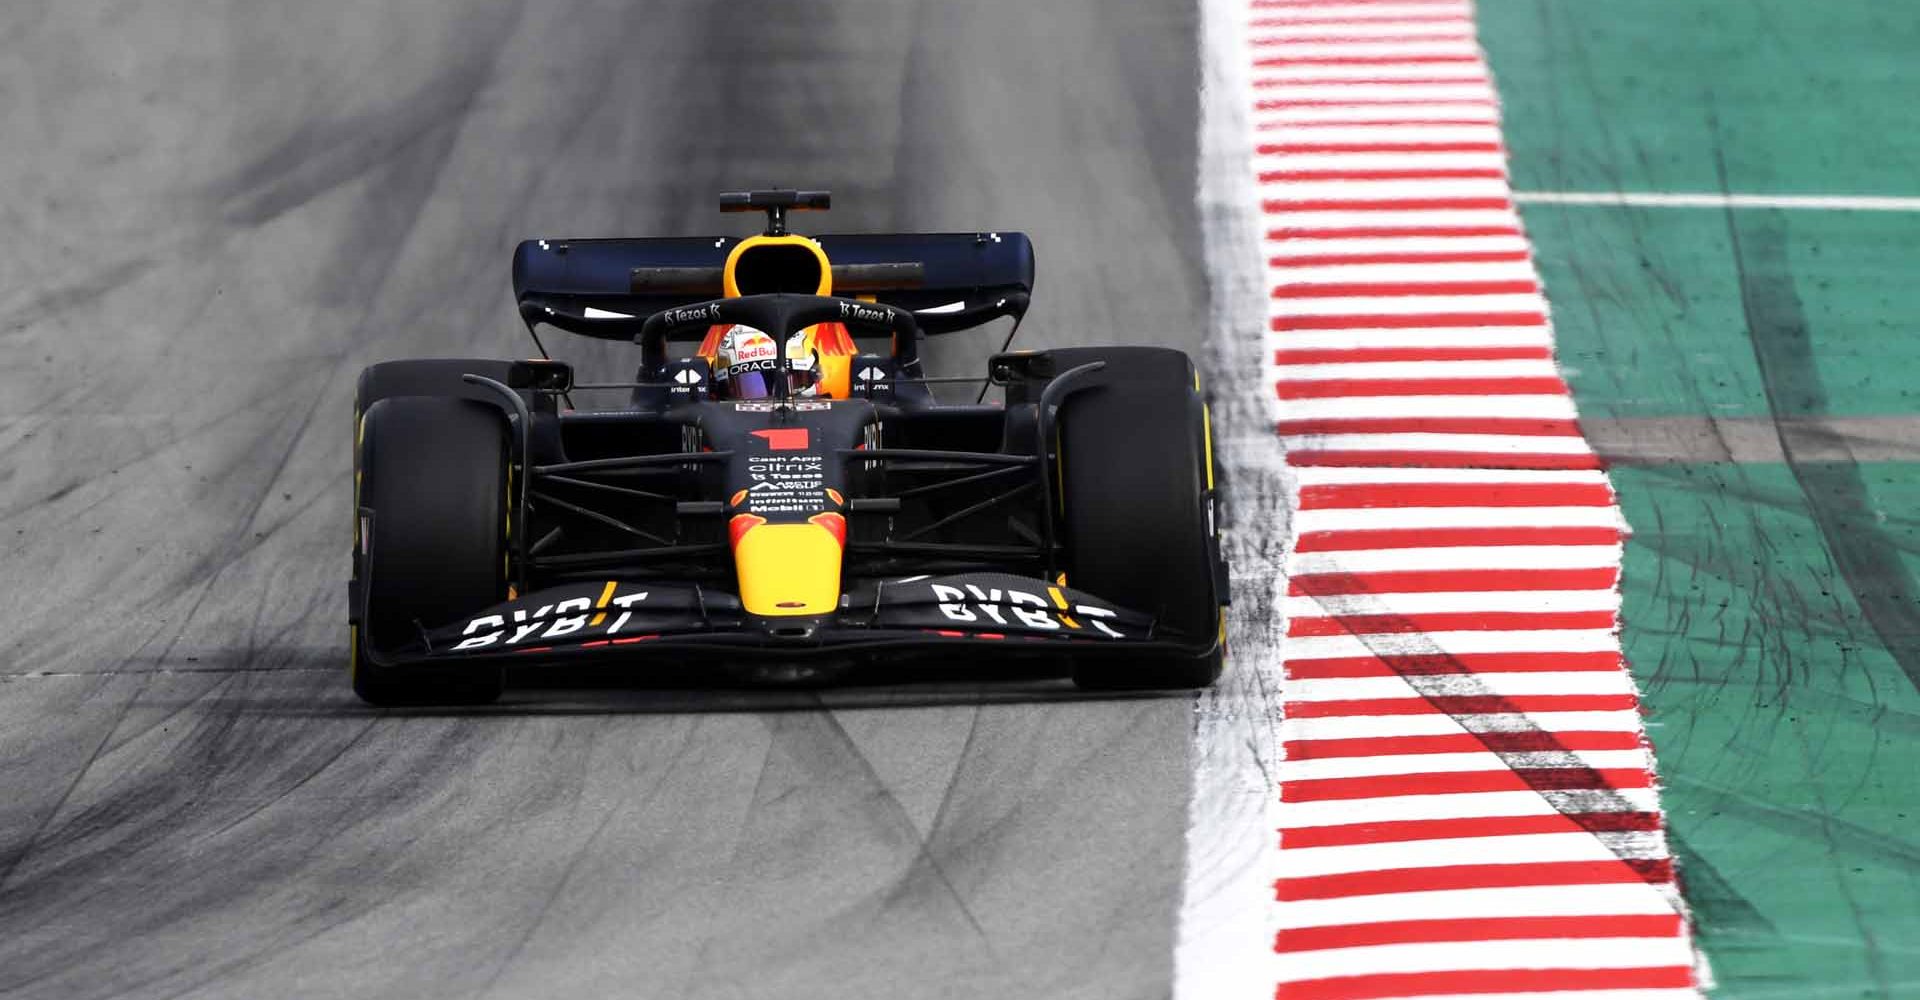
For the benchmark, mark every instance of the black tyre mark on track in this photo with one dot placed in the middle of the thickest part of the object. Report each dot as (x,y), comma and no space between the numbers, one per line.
(1868,556)
(888,809)
(1724,918)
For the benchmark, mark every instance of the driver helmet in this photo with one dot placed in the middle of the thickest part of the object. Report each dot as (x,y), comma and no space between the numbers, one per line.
(745,365)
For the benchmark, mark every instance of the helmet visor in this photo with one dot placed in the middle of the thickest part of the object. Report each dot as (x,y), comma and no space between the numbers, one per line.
(749,385)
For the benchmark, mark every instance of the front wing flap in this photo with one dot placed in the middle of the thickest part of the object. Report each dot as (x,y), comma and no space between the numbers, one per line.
(580,620)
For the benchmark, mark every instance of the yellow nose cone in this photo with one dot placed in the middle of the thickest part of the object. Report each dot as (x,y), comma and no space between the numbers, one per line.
(788,569)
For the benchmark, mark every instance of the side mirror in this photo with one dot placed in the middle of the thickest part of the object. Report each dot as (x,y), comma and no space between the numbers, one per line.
(541,375)
(1024,374)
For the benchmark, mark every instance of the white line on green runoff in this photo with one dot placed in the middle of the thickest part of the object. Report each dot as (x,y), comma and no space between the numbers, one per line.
(1657,199)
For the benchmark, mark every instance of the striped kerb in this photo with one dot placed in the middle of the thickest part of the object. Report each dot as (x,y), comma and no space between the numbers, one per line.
(1468,804)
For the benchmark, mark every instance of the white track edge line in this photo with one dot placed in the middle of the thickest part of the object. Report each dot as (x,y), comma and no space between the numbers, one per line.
(1665,199)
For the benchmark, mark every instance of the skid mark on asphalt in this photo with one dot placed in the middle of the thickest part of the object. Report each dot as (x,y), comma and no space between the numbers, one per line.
(556,889)
(894,811)
(1836,492)
(52,812)
(322,156)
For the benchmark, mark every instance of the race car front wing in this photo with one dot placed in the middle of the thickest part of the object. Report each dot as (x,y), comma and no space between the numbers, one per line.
(643,619)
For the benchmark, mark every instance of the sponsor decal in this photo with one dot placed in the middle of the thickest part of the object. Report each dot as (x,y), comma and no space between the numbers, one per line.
(752,346)
(552,621)
(786,483)
(1018,608)
(699,314)
(864,314)
(767,365)
(799,406)
(783,438)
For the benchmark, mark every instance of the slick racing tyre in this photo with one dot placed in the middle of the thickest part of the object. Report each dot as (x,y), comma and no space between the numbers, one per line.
(433,477)
(1136,487)
(428,377)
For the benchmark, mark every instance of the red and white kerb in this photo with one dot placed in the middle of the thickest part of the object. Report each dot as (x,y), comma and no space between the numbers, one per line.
(1468,806)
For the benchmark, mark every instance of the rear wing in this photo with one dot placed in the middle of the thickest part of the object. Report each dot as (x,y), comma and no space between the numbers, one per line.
(608,288)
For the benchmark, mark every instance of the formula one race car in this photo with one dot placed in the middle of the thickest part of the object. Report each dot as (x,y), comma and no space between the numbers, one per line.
(789,498)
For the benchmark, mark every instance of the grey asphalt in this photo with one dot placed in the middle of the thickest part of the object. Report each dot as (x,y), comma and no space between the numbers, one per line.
(215,214)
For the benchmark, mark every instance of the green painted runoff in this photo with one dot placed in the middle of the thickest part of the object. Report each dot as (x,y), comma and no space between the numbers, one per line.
(1772,610)
(1653,95)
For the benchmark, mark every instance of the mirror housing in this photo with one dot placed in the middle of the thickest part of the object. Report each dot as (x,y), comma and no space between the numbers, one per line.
(541,375)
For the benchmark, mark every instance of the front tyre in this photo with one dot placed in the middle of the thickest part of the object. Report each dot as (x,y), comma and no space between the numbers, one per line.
(428,377)
(1136,494)
(433,477)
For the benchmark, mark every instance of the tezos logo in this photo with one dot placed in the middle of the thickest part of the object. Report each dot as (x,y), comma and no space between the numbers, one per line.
(864,314)
(706,313)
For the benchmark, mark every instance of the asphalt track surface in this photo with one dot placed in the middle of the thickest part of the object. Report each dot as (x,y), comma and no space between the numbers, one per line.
(216,214)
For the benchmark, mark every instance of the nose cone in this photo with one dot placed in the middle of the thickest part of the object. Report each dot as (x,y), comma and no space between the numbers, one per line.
(789,569)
